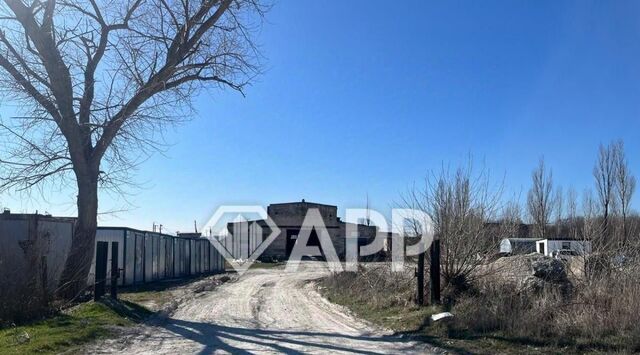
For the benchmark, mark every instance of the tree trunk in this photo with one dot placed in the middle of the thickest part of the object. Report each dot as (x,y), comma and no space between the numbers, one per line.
(73,281)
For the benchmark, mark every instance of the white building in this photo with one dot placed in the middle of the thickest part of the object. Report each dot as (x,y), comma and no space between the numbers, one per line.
(518,245)
(549,247)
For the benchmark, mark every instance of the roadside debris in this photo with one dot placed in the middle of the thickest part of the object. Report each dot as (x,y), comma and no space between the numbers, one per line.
(439,316)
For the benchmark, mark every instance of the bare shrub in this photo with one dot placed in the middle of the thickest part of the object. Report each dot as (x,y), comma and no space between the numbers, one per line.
(376,285)
(22,294)
(604,313)
(505,307)
(608,306)
(460,203)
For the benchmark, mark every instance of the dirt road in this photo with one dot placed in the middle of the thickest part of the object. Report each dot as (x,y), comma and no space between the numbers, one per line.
(264,311)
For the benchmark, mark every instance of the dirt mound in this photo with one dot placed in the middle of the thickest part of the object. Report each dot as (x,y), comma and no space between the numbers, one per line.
(530,271)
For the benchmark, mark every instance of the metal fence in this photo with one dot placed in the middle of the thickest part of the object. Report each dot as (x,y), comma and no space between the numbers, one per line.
(149,256)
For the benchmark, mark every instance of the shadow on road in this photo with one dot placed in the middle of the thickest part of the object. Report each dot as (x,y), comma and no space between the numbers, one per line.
(217,337)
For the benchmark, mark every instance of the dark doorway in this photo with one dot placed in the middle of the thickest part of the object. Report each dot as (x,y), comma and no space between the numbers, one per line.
(102,252)
(292,237)
(314,240)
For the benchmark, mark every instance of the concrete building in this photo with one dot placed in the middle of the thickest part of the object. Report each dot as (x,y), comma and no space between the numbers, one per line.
(289,217)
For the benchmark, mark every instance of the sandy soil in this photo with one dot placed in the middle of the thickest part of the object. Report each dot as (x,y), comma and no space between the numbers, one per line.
(263,311)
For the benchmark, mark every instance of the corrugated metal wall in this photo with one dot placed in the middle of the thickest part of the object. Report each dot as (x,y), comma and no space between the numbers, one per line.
(246,238)
(148,256)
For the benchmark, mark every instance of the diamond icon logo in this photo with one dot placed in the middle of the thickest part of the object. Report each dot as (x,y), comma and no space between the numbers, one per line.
(243,243)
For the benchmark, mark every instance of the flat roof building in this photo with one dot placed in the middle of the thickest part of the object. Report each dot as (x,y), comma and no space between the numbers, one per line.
(246,236)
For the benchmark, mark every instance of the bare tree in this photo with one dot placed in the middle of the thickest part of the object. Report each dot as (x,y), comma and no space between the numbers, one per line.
(559,210)
(460,204)
(572,212)
(604,173)
(592,233)
(540,200)
(625,187)
(510,221)
(98,80)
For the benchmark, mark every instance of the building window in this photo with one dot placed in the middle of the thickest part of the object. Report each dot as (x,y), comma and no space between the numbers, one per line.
(566,245)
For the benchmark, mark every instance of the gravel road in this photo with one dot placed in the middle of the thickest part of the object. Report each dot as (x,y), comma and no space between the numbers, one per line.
(263,311)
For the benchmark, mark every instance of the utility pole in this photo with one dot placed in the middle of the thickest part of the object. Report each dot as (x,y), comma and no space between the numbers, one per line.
(195,227)
(434,271)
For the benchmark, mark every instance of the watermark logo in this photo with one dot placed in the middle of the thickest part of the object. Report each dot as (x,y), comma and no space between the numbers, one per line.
(243,233)
(247,240)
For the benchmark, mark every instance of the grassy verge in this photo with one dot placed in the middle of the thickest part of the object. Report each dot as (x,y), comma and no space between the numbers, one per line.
(414,322)
(154,296)
(72,328)
(387,301)
(267,265)
(68,330)
(395,317)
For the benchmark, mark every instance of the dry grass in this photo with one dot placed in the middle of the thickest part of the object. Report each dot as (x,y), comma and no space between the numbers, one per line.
(500,316)
(379,295)
(376,284)
(602,314)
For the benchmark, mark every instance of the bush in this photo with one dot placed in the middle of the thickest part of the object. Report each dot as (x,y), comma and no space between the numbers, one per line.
(603,313)
(504,308)
(375,284)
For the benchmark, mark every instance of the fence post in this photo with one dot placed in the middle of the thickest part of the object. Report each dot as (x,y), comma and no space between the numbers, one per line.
(420,280)
(434,271)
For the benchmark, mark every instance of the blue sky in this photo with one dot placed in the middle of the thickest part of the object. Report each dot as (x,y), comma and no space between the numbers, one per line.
(366,96)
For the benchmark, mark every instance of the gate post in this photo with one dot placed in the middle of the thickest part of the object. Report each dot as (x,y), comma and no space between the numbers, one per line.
(434,271)
(115,272)
(102,250)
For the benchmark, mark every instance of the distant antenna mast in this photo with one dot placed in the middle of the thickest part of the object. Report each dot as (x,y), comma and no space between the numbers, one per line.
(195,227)
(368,221)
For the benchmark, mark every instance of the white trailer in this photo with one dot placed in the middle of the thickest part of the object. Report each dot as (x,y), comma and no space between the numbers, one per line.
(549,247)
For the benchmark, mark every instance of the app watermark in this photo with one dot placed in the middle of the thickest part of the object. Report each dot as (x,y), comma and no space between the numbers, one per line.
(244,234)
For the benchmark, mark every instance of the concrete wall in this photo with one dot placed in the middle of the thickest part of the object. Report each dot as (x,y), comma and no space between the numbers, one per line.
(32,257)
(278,248)
(292,214)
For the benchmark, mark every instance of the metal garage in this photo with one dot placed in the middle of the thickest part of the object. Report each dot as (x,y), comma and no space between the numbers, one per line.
(143,256)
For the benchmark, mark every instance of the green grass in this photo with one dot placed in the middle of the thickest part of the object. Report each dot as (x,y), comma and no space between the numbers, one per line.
(152,299)
(69,330)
